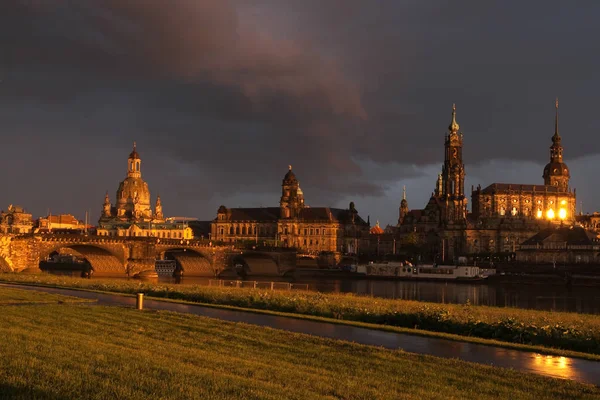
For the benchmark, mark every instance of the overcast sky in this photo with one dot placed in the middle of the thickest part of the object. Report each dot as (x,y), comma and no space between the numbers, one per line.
(222,95)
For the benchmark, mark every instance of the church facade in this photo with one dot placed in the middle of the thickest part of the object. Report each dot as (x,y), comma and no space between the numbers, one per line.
(294,224)
(503,215)
(132,214)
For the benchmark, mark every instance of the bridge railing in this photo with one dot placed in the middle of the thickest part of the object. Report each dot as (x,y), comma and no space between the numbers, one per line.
(258,284)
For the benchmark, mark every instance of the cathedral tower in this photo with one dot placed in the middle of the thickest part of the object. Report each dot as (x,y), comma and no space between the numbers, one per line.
(403,207)
(556,172)
(453,173)
(292,198)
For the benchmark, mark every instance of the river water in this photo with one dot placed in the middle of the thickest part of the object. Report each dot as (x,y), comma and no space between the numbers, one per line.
(549,297)
(581,299)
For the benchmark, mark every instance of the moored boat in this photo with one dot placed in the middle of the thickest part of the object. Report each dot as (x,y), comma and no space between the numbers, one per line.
(399,270)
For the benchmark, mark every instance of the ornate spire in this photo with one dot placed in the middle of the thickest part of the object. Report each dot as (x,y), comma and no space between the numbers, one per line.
(404,192)
(556,135)
(134,154)
(453,127)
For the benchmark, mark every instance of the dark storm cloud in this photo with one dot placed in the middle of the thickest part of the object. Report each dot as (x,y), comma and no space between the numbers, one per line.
(199,79)
(355,95)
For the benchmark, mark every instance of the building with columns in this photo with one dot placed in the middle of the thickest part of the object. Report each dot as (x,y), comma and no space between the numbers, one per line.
(503,215)
(132,214)
(294,224)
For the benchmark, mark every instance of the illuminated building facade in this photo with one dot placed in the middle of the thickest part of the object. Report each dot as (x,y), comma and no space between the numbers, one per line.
(503,215)
(294,224)
(133,215)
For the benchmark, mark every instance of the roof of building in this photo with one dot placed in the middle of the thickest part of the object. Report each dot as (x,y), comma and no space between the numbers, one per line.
(63,219)
(134,154)
(264,214)
(570,235)
(376,230)
(505,187)
(273,214)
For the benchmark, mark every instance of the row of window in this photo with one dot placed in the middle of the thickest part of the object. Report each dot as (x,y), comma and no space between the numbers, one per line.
(159,234)
(237,230)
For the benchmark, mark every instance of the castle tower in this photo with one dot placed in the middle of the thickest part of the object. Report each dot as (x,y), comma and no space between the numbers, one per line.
(453,173)
(292,198)
(556,172)
(403,207)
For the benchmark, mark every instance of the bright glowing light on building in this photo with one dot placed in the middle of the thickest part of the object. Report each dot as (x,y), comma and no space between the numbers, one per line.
(562,213)
(563,202)
(550,214)
(539,213)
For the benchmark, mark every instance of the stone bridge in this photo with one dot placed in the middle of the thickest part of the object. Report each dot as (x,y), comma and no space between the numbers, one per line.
(112,255)
(129,255)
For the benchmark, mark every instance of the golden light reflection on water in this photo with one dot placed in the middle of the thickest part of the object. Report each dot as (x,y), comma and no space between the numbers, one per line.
(552,365)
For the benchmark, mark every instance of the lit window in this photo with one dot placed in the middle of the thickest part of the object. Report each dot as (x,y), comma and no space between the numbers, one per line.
(562,213)
(550,214)
(539,213)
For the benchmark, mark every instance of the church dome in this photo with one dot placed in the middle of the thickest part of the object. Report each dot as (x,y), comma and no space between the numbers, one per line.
(134,187)
(556,169)
(290,177)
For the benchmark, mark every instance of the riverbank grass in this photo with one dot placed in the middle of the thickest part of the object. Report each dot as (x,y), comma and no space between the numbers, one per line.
(559,330)
(13,296)
(91,352)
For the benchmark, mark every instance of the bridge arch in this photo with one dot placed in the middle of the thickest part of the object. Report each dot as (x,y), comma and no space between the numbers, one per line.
(248,263)
(191,261)
(101,260)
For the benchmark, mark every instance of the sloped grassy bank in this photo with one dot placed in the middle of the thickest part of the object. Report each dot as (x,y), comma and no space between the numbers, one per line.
(73,352)
(568,331)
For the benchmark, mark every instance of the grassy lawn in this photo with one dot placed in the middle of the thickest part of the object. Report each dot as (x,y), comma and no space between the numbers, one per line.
(10,296)
(65,351)
(560,330)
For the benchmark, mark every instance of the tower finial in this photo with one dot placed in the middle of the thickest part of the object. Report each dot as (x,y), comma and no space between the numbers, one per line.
(556,119)
(290,167)
(404,192)
(453,125)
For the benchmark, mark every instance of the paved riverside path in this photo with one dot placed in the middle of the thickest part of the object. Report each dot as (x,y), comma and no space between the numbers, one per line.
(552,366)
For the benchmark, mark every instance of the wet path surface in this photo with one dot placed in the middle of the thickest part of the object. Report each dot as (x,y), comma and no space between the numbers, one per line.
(552,366)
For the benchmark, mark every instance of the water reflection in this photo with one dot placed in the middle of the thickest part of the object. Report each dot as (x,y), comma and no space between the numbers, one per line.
(581,299)
(560,367)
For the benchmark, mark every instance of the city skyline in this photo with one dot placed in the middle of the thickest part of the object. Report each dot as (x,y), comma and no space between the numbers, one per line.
(301,84)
